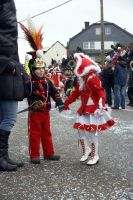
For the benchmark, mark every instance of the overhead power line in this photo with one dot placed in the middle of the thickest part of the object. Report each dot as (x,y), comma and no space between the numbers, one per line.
(47,10)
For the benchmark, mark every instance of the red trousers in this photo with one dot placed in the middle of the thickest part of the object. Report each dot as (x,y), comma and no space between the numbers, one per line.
(39,133)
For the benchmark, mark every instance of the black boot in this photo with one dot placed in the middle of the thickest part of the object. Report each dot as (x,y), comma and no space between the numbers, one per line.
(131,102)
(6,138)
(4,165)
(52,157)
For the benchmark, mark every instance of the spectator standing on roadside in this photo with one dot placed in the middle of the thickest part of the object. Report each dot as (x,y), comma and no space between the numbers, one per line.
(11,83)
(120,80)
(108,81)
(130,85)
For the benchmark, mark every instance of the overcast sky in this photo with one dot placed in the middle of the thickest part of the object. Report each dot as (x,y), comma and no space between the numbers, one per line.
(66,21)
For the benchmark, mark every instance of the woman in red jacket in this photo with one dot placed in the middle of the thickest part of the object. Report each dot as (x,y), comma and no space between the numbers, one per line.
(93,115)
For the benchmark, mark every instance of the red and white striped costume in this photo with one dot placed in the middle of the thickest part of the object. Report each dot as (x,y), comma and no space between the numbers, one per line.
(92,98)
(92,116)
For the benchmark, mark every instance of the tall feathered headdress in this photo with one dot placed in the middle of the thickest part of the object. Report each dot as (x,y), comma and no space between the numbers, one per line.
(34,38)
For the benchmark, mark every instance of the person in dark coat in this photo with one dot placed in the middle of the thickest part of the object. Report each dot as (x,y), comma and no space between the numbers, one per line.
(120,80)
(130,84)
(108,81)
(11,82)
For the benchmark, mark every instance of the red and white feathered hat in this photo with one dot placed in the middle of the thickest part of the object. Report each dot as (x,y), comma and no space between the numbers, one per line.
(84,65)
(34,37)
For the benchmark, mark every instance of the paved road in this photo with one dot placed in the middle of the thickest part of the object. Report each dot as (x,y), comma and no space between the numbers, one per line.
(67,179)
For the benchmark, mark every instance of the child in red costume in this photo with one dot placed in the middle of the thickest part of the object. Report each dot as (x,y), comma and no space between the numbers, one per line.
(58,80)
(92,116)
(40,99)
(39,115)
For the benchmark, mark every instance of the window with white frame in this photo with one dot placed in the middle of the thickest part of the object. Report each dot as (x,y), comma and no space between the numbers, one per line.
(89,45)
(98,31)
(85,45)
(107,44)
(92,45)
(107,31)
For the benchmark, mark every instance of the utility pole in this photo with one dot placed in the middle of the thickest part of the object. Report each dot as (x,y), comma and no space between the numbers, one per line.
(102,32)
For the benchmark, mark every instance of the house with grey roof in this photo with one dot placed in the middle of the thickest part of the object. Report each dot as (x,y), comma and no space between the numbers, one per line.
(89,39)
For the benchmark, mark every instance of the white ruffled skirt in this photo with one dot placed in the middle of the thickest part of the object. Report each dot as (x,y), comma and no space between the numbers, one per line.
(95,122)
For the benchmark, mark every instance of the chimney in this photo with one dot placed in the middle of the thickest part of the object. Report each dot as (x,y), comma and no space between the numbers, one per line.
(87,25)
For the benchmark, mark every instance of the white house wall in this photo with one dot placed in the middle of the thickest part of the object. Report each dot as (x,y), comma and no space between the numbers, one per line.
(57,51)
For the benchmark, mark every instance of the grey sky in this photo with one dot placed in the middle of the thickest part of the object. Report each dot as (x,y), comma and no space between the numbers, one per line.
(68,20)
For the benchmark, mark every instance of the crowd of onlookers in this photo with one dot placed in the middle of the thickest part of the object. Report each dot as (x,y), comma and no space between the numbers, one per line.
(117,76)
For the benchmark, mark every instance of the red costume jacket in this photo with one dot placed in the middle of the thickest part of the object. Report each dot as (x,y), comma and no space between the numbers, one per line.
(43,89)
(58,80)
(92,95)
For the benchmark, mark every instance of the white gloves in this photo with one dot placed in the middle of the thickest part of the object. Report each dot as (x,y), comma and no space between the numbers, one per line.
(99,112)
(100,109)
